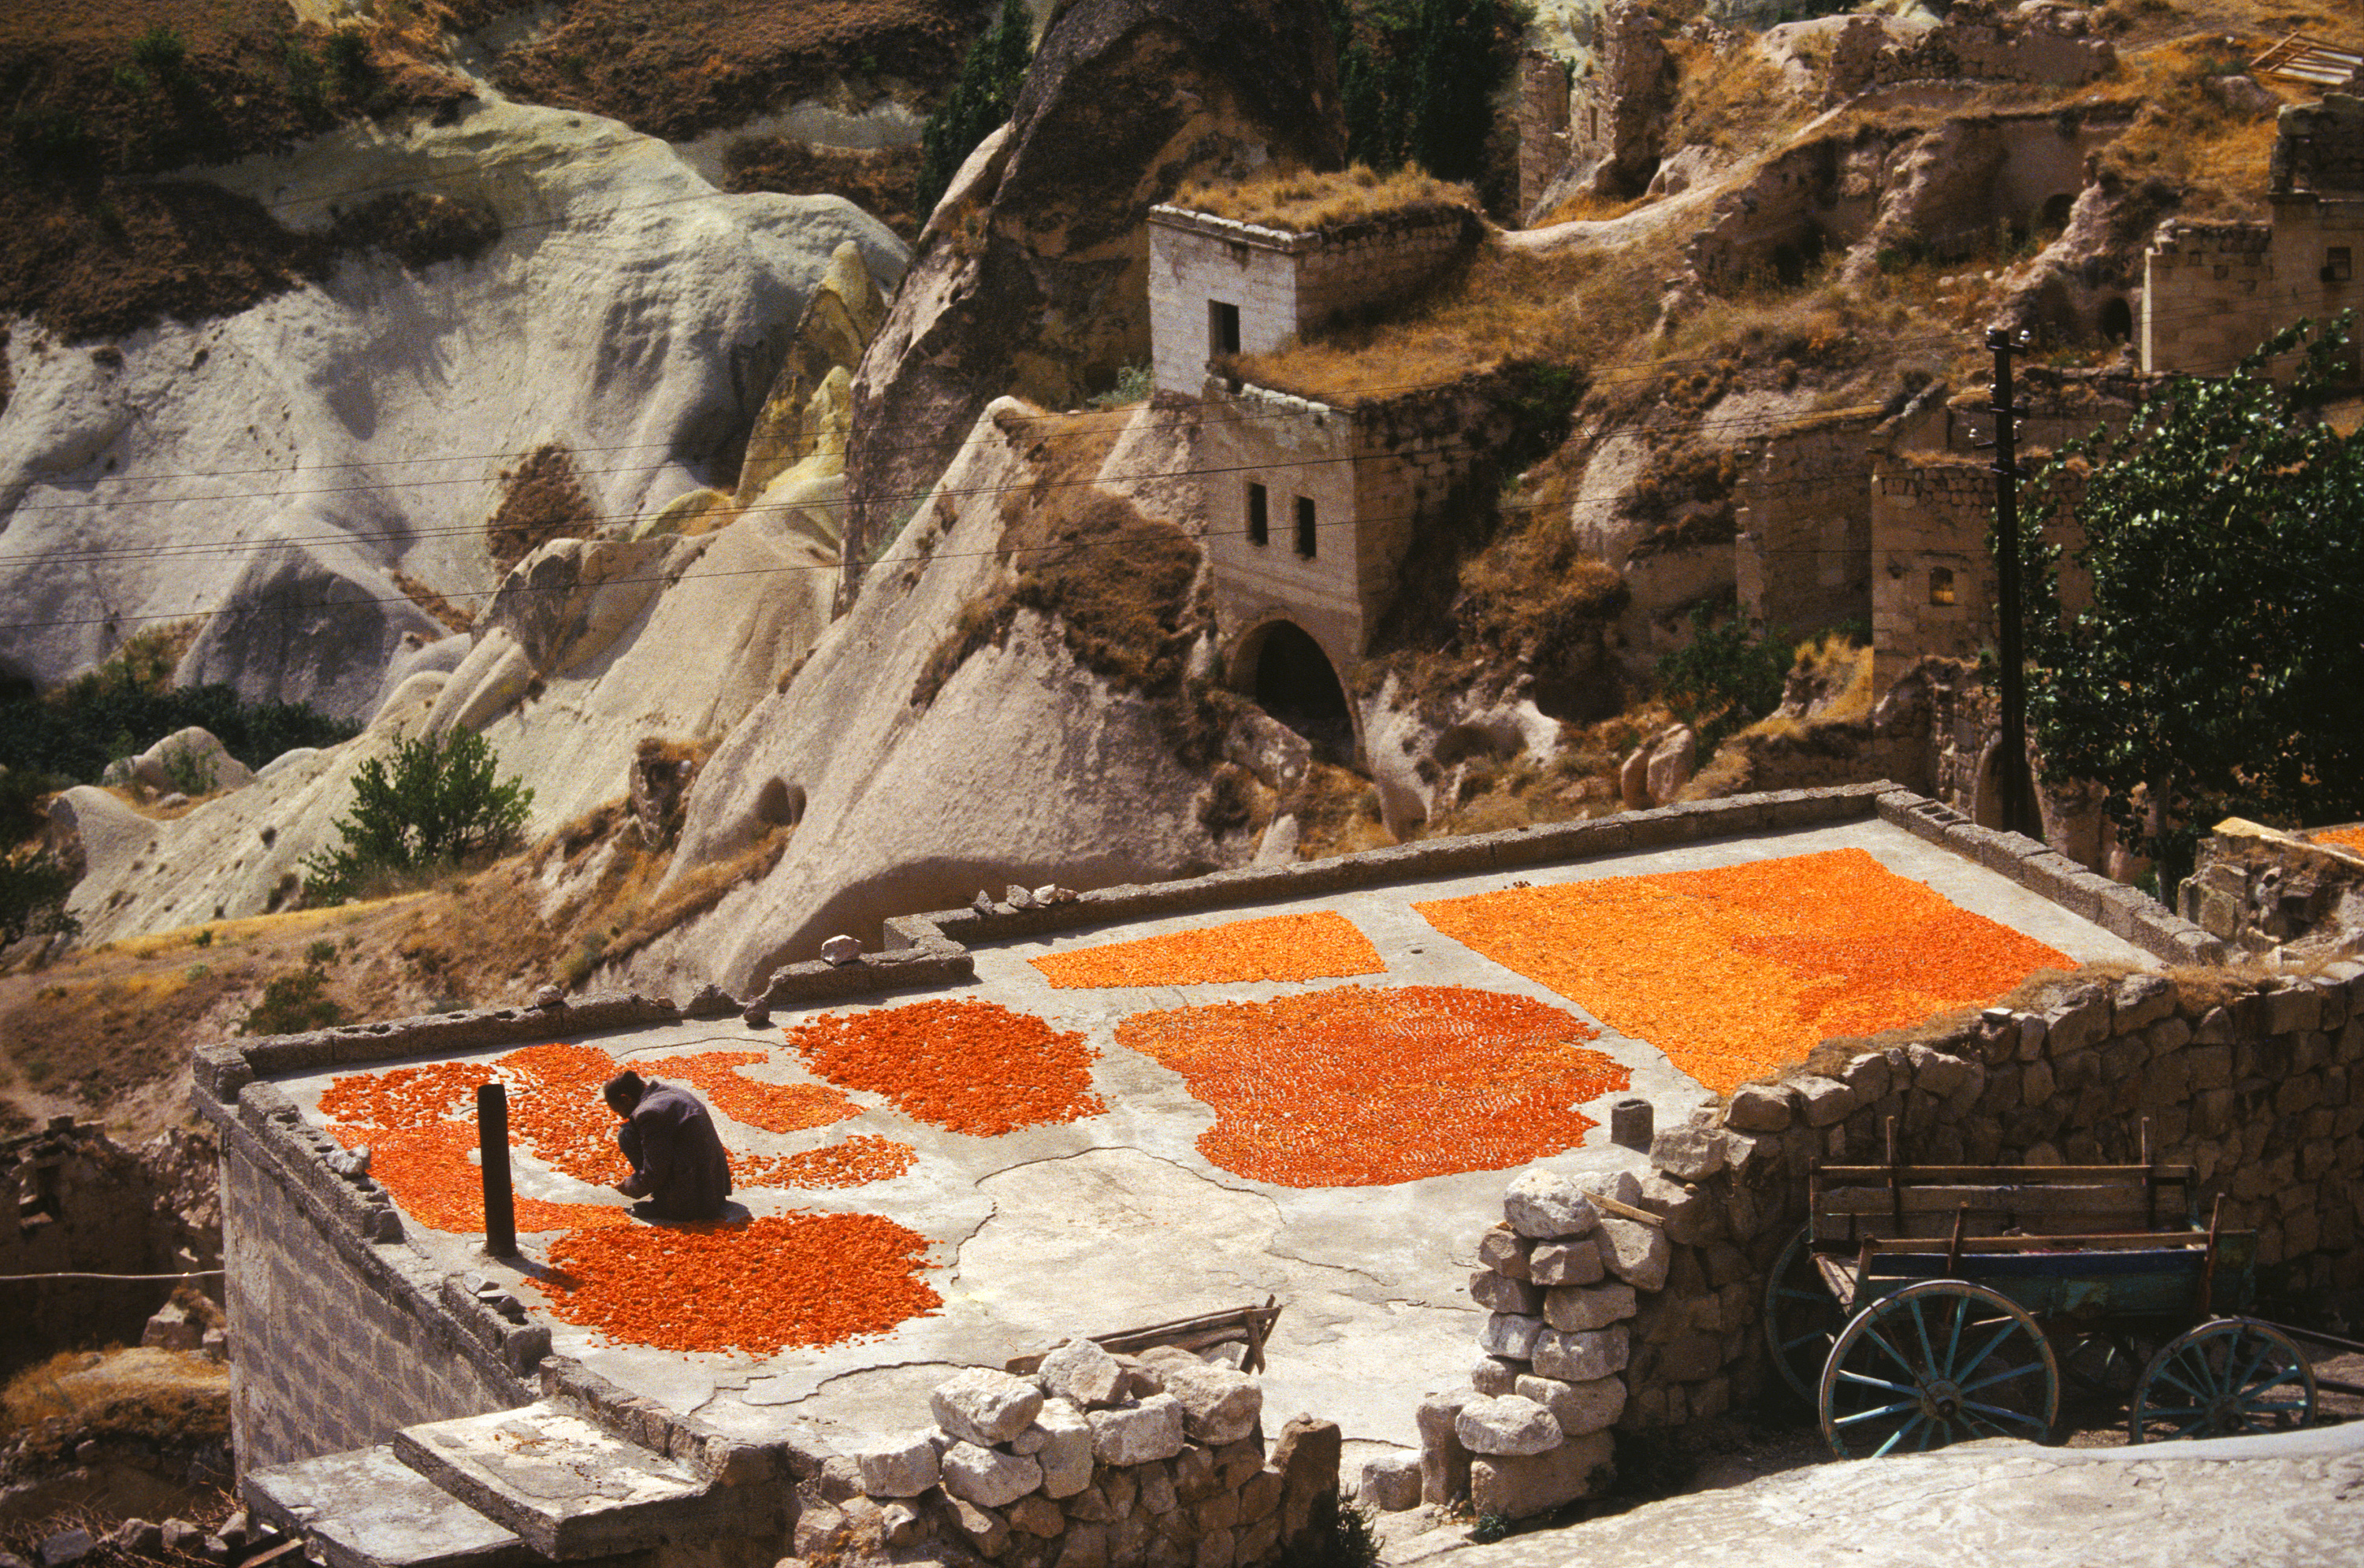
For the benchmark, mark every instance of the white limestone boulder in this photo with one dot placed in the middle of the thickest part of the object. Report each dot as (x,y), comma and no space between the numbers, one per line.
(984,1406)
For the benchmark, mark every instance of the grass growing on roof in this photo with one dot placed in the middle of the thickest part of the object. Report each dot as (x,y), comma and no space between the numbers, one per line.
(1305,202)
(1317,946)
(1742,971)
(1365,1086)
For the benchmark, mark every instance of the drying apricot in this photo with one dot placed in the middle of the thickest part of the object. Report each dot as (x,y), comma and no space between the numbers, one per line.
(1741,970)
(1361,1087)
(964,1065)
(1317,946)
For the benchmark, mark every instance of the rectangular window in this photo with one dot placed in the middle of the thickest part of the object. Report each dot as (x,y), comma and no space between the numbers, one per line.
(1941,585)
(1305,527)
(2338,265)
(1222,328)
(1259,515)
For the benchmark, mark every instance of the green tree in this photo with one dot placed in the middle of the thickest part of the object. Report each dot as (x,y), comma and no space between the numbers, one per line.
(33,889)
(1723,677)
(437,806)
(980,103)
(2217,668)
(1417,80)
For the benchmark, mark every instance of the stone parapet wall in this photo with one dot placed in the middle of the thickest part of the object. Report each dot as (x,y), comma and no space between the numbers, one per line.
(2319,148)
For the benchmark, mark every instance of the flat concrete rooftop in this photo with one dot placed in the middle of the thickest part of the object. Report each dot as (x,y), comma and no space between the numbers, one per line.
(1119,1220)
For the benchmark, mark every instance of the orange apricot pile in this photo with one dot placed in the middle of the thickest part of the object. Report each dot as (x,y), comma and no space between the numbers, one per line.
(430,1171)
(2346,838)
(1741,970)
(1317,946)
(803,1280)
(853,1162)
(964,1065)
(772,1107)
(1362,1087)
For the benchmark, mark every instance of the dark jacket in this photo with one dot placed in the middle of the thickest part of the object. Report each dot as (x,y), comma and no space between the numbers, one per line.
(677,1160)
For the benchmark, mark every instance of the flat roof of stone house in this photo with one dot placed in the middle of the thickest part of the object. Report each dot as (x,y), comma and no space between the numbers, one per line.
(1274,231)
(1119,1219)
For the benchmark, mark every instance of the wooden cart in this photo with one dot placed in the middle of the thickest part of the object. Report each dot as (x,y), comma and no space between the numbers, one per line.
(1924,1305)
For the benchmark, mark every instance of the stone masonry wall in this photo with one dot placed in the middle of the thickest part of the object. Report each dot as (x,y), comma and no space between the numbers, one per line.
(338,1338)
(1543,125)
(1094,1460)
(2260,890)
(1282,283)
(1977,40)
(1802,557)
(65,1194)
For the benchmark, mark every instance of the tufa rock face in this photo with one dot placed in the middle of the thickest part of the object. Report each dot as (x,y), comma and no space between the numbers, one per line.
(1032,275)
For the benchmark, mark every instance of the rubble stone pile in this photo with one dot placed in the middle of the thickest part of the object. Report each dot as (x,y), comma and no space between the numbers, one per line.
(1094,1459)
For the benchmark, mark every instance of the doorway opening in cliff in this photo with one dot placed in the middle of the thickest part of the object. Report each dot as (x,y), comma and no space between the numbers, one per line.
(1291,679)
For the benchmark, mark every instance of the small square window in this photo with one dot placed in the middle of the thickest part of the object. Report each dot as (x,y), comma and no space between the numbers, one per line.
(1259,515)
(1222,328)
(1941,585)
(1305,539)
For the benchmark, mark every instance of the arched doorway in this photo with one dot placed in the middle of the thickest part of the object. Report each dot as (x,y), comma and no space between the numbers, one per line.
(1282,667)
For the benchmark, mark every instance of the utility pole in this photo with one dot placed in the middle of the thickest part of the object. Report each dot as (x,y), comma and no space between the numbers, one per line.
(2019,813)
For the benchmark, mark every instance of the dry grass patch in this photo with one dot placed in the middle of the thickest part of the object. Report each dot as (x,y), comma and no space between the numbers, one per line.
(541,500)
(2184,138)
(881,181)
(1731,99)
(1501,307)
(1304,203)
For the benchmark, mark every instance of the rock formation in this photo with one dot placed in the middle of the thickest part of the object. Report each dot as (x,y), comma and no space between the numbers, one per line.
(1031,277)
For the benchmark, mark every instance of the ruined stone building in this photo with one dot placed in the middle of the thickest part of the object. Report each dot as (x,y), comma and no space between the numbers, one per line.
(1311,506)
(2213,290)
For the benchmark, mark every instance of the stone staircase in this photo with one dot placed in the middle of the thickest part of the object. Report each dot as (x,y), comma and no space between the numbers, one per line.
(536,1484)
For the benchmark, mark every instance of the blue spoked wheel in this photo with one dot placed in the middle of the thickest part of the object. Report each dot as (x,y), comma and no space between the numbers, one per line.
(2223,1379)
(1937,1363)
(1800,1319)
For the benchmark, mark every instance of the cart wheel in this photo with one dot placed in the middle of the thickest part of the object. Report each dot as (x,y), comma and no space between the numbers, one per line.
(1937,1363)
(1800,1318)
(2224,1378)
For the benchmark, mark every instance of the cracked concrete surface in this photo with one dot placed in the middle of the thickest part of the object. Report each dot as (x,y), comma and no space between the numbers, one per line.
(2291,1501)
(1119,1220)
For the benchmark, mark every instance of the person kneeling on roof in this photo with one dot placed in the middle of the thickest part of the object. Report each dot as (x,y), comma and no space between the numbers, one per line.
(677,1160)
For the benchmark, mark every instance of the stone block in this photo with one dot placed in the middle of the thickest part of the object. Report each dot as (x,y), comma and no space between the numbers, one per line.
(1493,1375)
(1504,1251)
(1689,1152)
(1066,1452)
(1581,1358)
(1510,1335)
(1566,1262)
(902,1466)
(1825,1101)
(1580,1309)
(1760,1108)
(1219,1405)
(1578,1408)
(1635,1253)
(1391,1483)
(1037,1516)
(1194,1476)
(1500,1293)
(1517,1486)
(984,1407)
(1260,1492)
(1507,1425)
(2140,1001)
(1086,1546)
(1082,1373)
(1443,1462)
(2292,1011)
(1152,1430)
(981,1529)
(1546,1206)
(987,1477)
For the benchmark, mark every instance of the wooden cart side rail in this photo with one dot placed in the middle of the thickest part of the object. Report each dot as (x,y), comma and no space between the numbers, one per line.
(1250,1326)
(2002,1176)
(2132,1240)
(1948,1199)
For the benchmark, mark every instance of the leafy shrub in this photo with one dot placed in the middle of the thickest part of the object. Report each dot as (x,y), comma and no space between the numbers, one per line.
(438,807)
(978,105)
(293,1003)
(161,50)
(189,770)
(322,952)
(74,732)
(33,888)
(1724,678)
